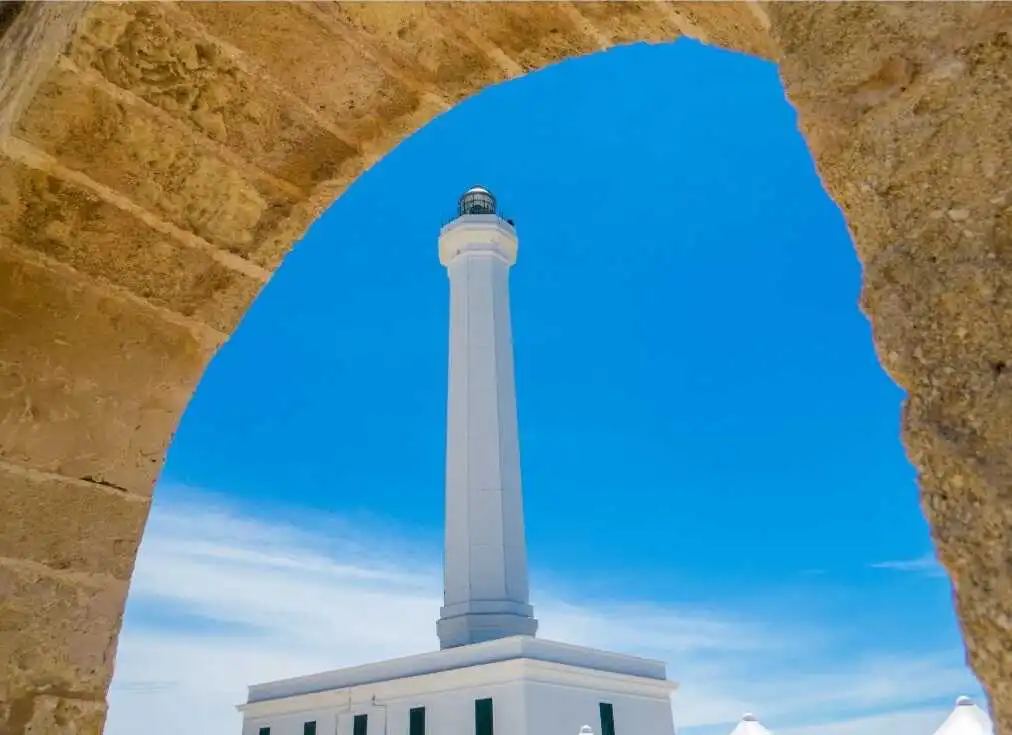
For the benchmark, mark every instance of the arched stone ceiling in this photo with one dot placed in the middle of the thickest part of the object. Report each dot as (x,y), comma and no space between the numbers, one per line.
(158,160)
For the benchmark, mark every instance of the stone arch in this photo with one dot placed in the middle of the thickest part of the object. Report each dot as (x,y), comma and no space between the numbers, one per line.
(158,160)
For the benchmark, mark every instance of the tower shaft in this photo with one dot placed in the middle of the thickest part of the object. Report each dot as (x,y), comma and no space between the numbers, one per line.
(485,592)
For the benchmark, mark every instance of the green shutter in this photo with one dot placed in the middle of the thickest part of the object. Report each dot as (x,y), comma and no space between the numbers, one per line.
(416,721)
(607,718)
(483,717)
(265,731)
(360,725)
(309,728)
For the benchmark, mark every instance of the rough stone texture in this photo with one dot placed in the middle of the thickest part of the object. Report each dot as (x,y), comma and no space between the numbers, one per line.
(912,140)
(98,530)
(92,385)
(59,633)
(158,160)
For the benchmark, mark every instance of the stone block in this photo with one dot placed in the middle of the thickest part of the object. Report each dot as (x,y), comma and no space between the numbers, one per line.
(414,39)
(57,632)
(69,223)
(328,72)
(47,714)
(31,37)
(532,35)
(167,169)
(151,51)
(69,525)
(91,385)
(632,22)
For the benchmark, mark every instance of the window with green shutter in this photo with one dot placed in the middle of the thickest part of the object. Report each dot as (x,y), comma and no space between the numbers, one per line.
(309,728)
(416,721)
(607,718)
(483,717)
(265,731)
(360,725)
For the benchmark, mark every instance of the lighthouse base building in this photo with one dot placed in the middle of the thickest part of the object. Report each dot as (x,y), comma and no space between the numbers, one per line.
(491,676)
(511,686)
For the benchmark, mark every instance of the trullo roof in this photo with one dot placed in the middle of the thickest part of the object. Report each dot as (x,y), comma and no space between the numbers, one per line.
(749,725)
(966,719)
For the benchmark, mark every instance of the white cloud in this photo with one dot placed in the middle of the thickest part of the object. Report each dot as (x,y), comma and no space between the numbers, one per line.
(926,564)
(925,720)
(221,600)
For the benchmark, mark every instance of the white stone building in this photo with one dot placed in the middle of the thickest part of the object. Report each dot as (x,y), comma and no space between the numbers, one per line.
(491,675)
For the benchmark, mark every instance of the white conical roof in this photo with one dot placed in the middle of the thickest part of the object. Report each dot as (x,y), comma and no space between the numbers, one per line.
(966,719)
(749,725)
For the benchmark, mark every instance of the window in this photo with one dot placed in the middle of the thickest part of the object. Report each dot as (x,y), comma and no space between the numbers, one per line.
(265,731)
(309,728)
(416,721)
(607,718)
(483,717)
(360,725)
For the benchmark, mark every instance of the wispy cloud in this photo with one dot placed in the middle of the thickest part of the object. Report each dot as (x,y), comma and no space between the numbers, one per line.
(926,564)
(221,600)
(923,720)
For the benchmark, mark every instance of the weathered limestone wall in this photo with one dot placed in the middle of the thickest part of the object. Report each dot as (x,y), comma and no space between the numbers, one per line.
(158,160)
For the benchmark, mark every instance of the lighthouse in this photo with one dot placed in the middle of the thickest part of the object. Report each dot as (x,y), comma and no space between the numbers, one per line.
(485,586)
(491,675)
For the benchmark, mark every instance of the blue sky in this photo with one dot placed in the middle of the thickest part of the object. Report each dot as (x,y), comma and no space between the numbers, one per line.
(709,445)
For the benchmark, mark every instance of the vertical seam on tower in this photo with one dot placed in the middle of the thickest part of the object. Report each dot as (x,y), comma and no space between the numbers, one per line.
(467,421)
(509,563)
(493,265)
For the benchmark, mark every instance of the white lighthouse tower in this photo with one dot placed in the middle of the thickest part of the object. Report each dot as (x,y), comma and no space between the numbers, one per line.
(491,676)
(485,591)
